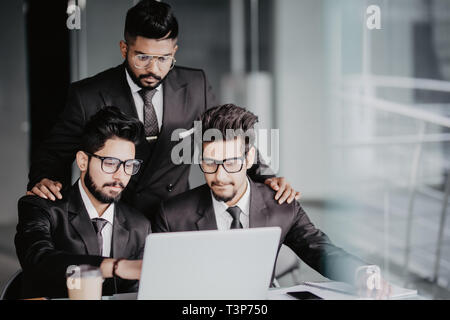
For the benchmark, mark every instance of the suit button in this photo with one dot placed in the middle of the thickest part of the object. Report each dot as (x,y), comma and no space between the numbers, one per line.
(170,187)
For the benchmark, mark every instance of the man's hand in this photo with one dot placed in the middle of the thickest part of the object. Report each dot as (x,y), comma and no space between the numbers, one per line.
(126,269)
(284,190)
(129,269)
(47,189)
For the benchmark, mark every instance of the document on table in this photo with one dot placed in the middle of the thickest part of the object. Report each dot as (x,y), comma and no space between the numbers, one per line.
(332,290)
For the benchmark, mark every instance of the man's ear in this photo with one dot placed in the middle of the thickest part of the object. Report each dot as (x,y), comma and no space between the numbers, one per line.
(251,157)
(123,48)
(82,161)
(175,49)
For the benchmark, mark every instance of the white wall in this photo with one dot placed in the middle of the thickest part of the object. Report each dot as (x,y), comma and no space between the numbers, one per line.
(299,94)
(104,23)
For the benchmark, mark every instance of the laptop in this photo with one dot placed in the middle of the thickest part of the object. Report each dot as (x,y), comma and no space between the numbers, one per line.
(209,265)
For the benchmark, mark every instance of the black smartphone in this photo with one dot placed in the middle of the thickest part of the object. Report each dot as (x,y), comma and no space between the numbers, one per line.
(304,295)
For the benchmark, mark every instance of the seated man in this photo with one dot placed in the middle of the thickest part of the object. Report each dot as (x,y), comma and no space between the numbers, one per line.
(230,200)
(90,225)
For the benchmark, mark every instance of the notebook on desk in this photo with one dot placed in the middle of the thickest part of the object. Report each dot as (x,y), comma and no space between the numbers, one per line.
(344,288)
(209,265)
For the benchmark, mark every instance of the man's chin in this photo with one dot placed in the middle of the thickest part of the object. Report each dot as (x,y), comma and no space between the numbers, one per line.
(111,196)
(149,85)
(115,195)
(223,197)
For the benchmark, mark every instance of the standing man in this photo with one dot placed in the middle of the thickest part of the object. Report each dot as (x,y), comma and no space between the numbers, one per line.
(147,86)
(90,225)
(230,200)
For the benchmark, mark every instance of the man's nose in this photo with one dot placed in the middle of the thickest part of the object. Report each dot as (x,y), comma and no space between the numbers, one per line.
(221,174)
(120,173)
(153,66)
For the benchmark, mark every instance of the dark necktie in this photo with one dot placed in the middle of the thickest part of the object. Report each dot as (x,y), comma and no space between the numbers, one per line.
(99,224)
(235,213)
(150,119)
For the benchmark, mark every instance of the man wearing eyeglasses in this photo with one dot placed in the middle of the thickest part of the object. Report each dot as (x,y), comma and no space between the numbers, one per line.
(147,86)
(90,225)
(230,200)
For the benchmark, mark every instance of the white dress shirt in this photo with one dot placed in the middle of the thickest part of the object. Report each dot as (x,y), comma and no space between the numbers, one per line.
(224,218)
(157,100)
(108,215)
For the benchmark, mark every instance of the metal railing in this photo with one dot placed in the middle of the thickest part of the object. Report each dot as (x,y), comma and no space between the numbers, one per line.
(358,95)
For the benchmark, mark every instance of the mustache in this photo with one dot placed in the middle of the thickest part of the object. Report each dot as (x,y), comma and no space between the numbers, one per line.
(221,184)
(142,76)
(114,184)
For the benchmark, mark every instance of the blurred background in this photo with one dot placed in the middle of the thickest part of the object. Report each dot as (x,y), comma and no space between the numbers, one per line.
(363,114)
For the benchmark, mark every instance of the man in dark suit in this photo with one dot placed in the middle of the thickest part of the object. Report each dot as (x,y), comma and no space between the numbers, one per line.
(230,200)
(90,225)
(147,86)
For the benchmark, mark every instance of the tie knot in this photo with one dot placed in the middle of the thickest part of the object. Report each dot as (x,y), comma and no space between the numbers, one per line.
(235,212)
(99,224)
(147,94)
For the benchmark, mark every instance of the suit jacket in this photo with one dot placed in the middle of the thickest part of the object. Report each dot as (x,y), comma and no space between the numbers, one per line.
(187,94)
(54,235)
(193,210)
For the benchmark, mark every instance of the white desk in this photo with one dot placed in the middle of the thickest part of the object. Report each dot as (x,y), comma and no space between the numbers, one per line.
(280,294)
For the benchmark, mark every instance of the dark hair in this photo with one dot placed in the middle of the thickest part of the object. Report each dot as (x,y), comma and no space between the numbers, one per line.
(150,19)
(107,123)
(231,121)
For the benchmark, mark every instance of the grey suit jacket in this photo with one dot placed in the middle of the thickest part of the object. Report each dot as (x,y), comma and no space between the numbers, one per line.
(54,235)
(193,210)
(187,94)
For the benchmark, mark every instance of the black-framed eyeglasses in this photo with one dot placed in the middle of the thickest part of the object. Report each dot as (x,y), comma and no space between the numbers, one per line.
(111,164)
(231,165)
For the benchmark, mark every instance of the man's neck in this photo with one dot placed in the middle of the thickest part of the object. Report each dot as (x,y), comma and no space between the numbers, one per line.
(100,207)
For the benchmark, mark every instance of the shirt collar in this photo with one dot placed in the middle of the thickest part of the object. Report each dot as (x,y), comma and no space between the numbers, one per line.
(134,87)
(108,215)
(243,203)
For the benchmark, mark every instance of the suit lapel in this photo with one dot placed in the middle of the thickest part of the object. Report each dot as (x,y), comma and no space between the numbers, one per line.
(258,209)
(120,234)
(205,211)
(79,218)
(174,102)
(119,94)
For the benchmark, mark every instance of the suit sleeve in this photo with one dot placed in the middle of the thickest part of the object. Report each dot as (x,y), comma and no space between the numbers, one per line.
(36,249)
(210,97)
(57,152)
(316,249)
(159,223)
(126,286)
(260,171)
(140,254)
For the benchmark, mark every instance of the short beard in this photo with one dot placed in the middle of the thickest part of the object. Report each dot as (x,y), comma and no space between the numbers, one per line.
(97,193)
(137,81)
(223,198)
